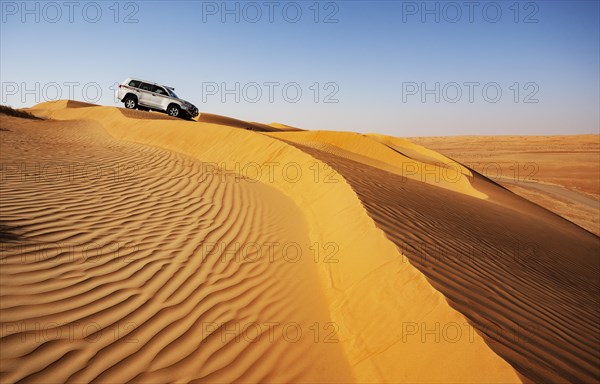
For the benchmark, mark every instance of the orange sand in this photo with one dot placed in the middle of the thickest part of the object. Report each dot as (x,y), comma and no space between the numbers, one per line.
(315,231)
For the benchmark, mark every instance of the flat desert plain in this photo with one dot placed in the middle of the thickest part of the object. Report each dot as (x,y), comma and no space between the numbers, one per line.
(141,248)
(560,173)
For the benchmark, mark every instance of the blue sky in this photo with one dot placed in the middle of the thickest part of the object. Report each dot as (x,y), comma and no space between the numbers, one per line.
(365,66)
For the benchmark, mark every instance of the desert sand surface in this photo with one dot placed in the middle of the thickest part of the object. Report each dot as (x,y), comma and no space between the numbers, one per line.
(137,247)
(560,173)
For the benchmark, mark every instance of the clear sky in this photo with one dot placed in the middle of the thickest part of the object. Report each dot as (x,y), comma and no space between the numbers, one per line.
(495,67)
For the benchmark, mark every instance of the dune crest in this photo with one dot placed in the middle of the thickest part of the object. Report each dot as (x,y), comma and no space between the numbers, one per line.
(392,155)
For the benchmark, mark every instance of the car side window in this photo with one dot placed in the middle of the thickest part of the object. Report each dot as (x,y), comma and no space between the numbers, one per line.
(160,91)
(146,87)
(134,83)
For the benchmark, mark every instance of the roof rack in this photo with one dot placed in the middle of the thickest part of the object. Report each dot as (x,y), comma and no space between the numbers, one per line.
(151,82)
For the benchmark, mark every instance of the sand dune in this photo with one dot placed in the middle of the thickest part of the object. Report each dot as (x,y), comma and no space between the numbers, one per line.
(408,161)
(235,123)
(375,273)
(283,127)
(126,270)
(525,278)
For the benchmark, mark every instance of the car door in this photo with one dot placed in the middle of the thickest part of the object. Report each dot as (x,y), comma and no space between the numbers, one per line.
(146,96)
(161,97)
(131,87)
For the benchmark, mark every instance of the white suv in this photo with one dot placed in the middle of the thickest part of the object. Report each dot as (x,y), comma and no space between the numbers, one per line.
(146,95)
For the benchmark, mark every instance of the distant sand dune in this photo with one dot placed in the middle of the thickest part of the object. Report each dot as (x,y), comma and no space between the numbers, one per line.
(560,173)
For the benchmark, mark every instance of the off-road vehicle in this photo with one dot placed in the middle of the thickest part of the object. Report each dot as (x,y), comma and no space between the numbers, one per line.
(146,95)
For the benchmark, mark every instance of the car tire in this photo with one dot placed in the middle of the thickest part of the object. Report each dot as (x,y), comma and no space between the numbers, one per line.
(130,102)
(174,110)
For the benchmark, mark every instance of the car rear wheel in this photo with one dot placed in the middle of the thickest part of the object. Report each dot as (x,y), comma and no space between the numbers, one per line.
(130,103)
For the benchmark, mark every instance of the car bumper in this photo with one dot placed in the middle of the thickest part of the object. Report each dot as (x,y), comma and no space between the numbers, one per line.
(193,112)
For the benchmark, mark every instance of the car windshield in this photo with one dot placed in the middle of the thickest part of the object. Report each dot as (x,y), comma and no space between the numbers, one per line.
(172,93)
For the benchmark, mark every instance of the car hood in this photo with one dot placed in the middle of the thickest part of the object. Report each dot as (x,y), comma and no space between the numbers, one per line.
(182,100)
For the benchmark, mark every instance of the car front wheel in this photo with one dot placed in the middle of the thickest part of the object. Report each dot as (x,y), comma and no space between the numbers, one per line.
(130,103)
(174,110)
